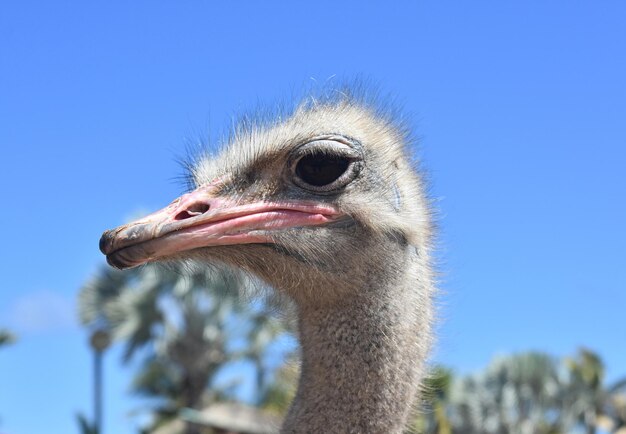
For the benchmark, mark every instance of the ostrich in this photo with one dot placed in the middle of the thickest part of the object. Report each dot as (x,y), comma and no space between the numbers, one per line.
(325,206)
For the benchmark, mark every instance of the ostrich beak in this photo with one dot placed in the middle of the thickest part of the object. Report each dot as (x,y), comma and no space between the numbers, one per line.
(203,219)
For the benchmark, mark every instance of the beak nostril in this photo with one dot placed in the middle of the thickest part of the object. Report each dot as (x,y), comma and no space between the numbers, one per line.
(195,209)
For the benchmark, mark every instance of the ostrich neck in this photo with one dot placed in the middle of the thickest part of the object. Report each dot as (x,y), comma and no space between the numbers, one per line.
(362,359)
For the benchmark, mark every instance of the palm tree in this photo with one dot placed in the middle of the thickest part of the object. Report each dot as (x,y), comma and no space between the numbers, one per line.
(188,322)
(434,418)
(596,405)
(278,393)
(515,394)
(6,337)
(532,393)
(613,419)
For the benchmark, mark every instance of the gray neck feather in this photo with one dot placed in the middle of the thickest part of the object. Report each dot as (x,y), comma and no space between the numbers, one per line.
(363,358)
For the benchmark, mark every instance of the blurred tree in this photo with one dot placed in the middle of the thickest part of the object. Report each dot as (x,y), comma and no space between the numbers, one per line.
(515,394)
(6,337)
(433,418)
(613,419)
(525,393)
(585,393)
(186,323)
(594,405)
(279,393)
(85,426)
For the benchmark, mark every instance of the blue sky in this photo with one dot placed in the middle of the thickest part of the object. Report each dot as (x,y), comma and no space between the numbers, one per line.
(520,107)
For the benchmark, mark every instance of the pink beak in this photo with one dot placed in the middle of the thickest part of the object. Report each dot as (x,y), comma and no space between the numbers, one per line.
(201,219)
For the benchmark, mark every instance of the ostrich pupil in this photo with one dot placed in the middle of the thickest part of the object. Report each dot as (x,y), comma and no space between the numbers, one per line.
(320,170)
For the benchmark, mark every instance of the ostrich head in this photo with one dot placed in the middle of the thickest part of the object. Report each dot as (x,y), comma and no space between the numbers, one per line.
(316,205)
(327,207)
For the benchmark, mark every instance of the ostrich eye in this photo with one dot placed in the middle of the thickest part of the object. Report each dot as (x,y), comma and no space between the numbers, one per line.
(320,170)
(326,165)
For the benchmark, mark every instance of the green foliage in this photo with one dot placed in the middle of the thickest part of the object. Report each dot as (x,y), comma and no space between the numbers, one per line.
(6,337)
(586,368)
(525,393)
(185,324)
(84,425)
(513,393)
(280,392)
(436,392)
(437,384)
